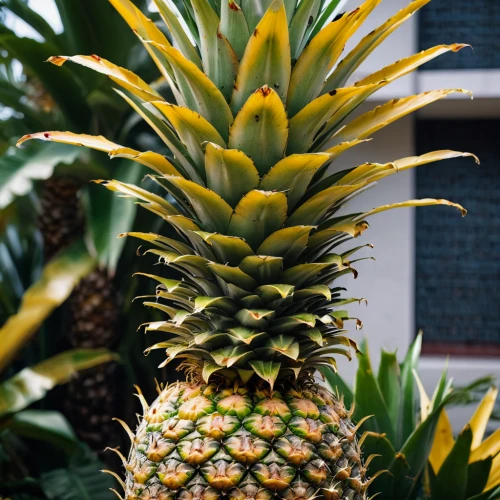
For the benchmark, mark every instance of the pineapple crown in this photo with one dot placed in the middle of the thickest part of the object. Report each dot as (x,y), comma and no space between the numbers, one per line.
(253,185)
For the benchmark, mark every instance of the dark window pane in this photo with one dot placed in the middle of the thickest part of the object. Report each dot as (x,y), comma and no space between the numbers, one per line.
(464,21)
(458,260)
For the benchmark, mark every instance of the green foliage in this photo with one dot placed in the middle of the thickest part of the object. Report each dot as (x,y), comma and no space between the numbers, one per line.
(398,440)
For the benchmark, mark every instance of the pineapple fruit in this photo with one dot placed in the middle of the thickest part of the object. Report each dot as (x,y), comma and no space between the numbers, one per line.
(254,192)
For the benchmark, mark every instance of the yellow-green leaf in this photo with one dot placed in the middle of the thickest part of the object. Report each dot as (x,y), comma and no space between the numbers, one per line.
(123,77)
(260,129)
(479,420)
(266,60)
(234,27)
(229,172)
(155,161)
(97,142)
(31,384)
(371,41)
(414,203)
(58,279)
(383,115)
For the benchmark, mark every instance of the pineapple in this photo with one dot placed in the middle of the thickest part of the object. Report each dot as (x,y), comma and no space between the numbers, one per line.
(254,192)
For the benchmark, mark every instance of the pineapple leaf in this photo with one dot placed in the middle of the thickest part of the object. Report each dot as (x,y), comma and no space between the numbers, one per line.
(288,243)
(219,60)
(234,27)
(266,370)
(180,36)
(58,279)
(258,215)
(123,77)
(260,129)
(301,25)
(267,58)
(369,43)
(230,173)
(293,175)
(477,477)
(198,92)
(388,380)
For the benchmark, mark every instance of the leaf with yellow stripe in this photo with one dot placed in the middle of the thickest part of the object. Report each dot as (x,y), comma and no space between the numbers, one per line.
(229,172)
(260,129)
(443,442)
(257,215)
(372,121)
(369,43)
(178,33)
(302,23)
(293,175)
(219,60)
(312,120)
(211,210)
(425,202)
(193,131)
(97,142)
(266,60)
(479,420)
(198,91)
(123,77)
(144,28)
(321,54)
(155,161)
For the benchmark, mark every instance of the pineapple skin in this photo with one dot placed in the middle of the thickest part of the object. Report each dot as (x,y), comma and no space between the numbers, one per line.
(204,442)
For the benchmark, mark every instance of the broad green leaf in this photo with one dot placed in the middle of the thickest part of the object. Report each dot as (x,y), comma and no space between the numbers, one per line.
(212,211)
(390,385)
(477,477)
(219,60)
(266,61)
(20,168)
(230,173)
(32,384)
(293,175)
(180,36)
(268,293)
(123,77)
(226,304)
(255,318)
(266,370)
(302,273)
(260,129)
(233,275)
(254,10)
(84,482)
(48,426)
(370,399)
(357,55)
(257,215)
(451,480)
(58,279)
(285,345)
(368,123)
(407,419)
(199,93)
(234,27)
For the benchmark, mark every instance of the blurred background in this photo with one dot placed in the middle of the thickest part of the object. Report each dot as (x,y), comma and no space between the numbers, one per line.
(433,272)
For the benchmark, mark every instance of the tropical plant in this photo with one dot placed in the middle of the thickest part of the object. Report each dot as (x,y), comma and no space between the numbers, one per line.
(395,439)
(468,467)
(68,210)
(250,192)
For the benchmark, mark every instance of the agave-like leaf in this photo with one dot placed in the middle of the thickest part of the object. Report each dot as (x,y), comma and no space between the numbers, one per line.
(266,370)
(234,27)
(301,25)
(288,243)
